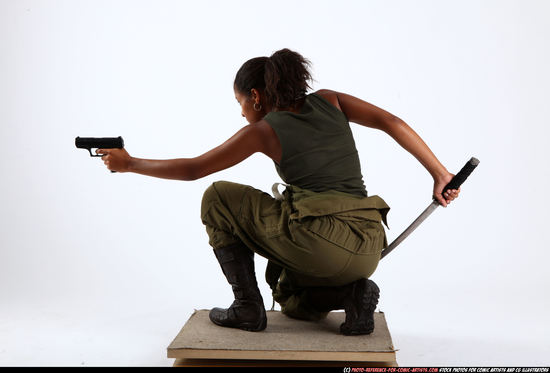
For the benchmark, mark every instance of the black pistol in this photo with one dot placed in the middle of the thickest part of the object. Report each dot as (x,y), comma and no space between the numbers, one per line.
(99,143)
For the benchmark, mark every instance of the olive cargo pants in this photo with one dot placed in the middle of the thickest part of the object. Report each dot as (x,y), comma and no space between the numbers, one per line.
(314,239)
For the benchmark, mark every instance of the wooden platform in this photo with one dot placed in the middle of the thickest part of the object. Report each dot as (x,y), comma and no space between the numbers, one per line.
(285,342)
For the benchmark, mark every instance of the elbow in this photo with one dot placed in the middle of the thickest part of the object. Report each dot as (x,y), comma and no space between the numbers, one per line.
(194,169)
(392,124)
(188,178)
(188,171)
(189,175)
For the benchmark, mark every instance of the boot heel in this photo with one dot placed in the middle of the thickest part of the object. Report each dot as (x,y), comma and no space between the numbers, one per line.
(360,308)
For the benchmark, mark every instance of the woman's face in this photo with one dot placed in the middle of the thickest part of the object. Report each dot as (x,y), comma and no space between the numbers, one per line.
(247,105)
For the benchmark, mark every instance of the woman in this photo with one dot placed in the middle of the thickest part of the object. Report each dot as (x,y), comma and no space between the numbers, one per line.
(323,239)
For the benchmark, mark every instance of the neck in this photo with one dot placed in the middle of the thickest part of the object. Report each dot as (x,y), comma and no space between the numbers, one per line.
(296,108)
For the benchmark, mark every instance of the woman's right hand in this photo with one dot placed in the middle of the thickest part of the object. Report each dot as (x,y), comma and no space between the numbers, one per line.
(444,197)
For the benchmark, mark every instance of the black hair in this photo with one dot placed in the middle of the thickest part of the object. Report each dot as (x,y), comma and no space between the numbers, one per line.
(283,78)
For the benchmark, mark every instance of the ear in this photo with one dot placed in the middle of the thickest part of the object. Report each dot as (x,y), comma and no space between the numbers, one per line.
(255,95)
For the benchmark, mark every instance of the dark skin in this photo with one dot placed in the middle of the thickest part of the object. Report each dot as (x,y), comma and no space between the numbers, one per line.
(258,136)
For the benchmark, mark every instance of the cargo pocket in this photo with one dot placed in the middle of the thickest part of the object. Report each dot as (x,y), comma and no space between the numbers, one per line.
(273,217)
(273,230)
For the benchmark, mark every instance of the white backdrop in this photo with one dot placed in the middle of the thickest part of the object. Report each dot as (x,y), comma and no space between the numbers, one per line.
(104,269)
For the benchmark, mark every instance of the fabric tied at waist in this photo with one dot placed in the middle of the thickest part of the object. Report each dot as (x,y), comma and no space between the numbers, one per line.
(306,203)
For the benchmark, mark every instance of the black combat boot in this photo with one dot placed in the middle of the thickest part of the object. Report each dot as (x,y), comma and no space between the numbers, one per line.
(358,299)
(247,311)
(360,308)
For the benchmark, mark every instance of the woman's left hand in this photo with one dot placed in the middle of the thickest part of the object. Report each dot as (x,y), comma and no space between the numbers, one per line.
(116,159)
(444,197)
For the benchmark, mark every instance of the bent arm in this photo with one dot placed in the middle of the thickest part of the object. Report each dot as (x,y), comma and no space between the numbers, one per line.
(247,141)
(368,115)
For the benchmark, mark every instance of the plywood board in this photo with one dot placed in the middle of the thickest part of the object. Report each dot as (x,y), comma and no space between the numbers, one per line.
(184,363)
(283,339)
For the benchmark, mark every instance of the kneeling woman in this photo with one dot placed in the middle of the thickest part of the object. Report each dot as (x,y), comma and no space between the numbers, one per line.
(323,236)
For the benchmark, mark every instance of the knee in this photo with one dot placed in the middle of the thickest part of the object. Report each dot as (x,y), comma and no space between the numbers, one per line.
(209,196)
(214,194)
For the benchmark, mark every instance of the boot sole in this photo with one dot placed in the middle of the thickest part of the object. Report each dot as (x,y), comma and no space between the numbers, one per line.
(248,326)
(360,309)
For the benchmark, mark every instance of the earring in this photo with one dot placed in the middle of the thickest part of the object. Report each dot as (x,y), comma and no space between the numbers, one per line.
(257,108)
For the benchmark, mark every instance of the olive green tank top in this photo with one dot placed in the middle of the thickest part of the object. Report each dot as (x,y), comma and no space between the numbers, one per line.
(318,149)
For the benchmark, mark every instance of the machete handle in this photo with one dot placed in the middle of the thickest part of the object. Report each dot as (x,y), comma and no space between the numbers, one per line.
(462,175)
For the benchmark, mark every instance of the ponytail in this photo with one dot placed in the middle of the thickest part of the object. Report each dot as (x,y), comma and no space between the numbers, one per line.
(283,78)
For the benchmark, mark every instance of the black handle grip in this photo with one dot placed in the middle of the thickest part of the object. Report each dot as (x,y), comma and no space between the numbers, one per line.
(462,175)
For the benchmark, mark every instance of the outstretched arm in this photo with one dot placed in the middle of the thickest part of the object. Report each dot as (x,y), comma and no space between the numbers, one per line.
(247,141)
(368,115)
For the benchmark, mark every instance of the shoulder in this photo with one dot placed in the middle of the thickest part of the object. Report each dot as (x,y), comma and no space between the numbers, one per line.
(268,139)
(263,131)
(329,95)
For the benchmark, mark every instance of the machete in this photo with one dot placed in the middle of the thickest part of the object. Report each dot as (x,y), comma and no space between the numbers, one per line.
(455,183)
